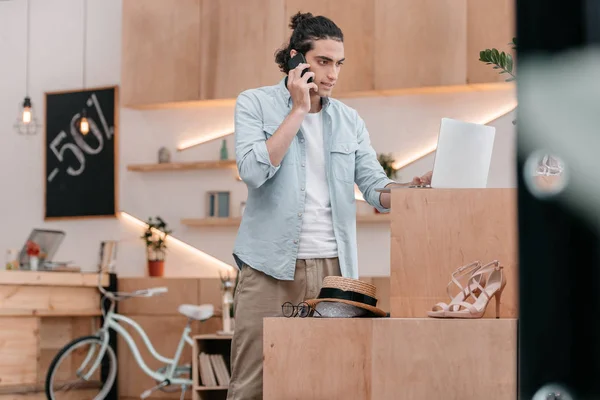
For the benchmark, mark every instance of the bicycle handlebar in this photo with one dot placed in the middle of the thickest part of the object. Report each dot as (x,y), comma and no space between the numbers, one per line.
(150,292)
(138,293)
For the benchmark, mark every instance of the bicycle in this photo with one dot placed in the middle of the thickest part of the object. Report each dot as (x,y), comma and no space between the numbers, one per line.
(170,377)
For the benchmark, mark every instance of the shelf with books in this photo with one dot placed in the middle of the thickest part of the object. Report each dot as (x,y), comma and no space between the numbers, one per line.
(211,369)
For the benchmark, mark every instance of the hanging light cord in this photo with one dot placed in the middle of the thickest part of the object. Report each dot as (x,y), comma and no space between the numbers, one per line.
(27,50)
(84,39)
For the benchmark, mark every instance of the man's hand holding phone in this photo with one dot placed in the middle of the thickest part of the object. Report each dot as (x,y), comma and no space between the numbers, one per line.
(300,88)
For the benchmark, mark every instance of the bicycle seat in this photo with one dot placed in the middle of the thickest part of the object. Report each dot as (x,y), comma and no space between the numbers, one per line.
(198,313)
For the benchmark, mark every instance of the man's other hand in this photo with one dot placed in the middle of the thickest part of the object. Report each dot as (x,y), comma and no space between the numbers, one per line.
(423,180)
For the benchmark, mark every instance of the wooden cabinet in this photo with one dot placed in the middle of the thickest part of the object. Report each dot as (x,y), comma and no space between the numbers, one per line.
(198,50)
(238,44)
(160,51)
(420,43)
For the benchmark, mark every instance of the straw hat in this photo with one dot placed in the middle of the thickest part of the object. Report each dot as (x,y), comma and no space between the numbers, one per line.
(349,291)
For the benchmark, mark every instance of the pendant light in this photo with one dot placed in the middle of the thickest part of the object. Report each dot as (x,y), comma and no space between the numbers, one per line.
(84,125)
(26,123)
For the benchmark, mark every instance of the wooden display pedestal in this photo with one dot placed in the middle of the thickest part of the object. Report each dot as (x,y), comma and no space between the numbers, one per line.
(390,359)
(435,231)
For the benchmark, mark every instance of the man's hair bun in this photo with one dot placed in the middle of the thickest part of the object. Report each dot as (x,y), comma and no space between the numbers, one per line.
(298,18)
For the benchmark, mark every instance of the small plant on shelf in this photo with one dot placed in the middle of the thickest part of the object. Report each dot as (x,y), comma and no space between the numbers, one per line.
(155,237)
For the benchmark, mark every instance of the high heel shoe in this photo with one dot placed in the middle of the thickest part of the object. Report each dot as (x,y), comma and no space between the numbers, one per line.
(495,284)
(439,309)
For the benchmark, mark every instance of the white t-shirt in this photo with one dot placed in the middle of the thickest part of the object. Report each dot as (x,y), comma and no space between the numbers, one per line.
(317,239)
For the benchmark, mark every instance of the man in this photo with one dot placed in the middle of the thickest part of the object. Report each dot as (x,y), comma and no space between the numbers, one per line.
(300,154)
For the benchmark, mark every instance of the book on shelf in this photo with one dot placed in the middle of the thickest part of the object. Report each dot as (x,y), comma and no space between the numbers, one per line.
(213,370)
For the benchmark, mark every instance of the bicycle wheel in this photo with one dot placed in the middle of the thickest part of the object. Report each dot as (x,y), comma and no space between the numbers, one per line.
(66,376)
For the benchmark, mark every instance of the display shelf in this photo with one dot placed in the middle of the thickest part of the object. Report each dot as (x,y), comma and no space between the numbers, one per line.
(183,166)
(417,91)
(235,221)
(210,344)
(211,221)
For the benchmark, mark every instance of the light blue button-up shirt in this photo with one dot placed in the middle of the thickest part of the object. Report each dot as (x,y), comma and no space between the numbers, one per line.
(269,233)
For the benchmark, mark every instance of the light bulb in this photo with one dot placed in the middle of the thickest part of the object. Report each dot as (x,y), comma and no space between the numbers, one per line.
(26,115)
(84,126)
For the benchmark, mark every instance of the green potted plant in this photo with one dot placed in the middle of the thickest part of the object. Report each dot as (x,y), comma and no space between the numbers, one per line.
(387,163)
(547,165)
(501,61)
(155,237)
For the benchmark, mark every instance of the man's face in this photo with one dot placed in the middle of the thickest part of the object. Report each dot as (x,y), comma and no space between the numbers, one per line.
(325,61)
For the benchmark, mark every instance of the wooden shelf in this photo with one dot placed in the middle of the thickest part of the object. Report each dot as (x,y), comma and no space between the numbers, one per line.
(211,221)
(212,343)
(475,87)
(183,166)
(235,221)
(213,336)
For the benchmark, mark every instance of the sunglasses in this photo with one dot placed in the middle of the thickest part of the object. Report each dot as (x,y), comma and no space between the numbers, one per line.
(301,310)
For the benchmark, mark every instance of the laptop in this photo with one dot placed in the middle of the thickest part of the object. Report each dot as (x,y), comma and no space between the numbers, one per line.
(463,155)
(49,242)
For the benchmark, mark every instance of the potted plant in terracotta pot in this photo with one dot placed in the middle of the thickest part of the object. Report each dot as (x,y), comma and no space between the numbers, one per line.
(155,237)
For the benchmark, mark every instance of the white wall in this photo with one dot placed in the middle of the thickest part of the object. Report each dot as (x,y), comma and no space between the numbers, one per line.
(405,126)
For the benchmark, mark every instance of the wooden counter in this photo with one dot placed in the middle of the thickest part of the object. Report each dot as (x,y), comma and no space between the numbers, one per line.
(389,359)
(40,312)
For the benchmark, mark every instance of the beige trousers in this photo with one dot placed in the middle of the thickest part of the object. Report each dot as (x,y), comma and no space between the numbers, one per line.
(258,296)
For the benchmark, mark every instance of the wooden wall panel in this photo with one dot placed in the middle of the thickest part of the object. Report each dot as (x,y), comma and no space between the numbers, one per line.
(19,344)
(160,318)
(164,334)
(356,19)
(442,359)
(490,23)
(436,231)
(180,291)
(160,51)
(210,293)
(238,44)
(321,368)
(420,43)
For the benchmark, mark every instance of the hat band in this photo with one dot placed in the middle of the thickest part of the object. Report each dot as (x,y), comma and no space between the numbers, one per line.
(333,293)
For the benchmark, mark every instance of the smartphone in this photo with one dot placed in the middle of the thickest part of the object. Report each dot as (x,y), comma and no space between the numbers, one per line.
(297,60)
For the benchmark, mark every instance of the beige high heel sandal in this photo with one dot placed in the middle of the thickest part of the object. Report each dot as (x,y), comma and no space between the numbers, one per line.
(495,284)
(439,309)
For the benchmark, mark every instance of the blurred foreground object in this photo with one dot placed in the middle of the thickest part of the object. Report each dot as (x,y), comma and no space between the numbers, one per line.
(558,207)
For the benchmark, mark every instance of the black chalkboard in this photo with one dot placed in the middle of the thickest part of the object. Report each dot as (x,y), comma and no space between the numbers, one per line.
(81,170)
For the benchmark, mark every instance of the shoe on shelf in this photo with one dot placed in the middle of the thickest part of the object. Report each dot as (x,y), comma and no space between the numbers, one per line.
(495,282)
(466,271)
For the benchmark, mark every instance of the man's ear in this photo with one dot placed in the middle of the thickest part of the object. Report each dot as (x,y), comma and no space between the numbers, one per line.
(293,53)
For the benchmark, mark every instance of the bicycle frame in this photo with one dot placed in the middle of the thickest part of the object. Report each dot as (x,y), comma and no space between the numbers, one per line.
(112,321)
